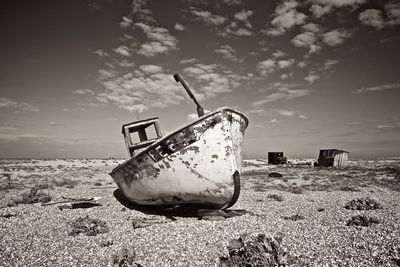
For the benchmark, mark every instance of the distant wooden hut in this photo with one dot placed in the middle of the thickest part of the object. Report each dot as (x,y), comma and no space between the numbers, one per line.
(333,157)
(276,158)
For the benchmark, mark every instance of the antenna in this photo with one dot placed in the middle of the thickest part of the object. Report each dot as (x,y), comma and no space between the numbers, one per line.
(200,110)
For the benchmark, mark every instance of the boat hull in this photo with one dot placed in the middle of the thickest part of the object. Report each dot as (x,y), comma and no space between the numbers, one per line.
(197,164)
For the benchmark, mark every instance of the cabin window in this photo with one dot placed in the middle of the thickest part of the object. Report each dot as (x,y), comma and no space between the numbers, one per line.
(149,133)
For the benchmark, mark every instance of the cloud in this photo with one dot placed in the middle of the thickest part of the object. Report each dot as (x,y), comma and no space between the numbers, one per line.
(243,16)
(17,106)
(194,116)
(267,66)
(270,65)
(227,52)
(241,26)
(211,80)
(335,37)
(274,120)
(188,61)
(83,92)
(122,50)
(229,30)
(150,87)
(100,53)
(312,27)
(207,17)
(141,91)
(260,112)
(340,3)
(353,123)
(283,64)
(278,54)
(392,10)
(232,2)
(323,7)
(283,93)
(303,117)
(126,22)
(286,17)
(312,77)
(150,69)
(286,113)
(179,27)
(161,41)
(7,127)
(377,88)
(55,123)
(373,18)
(376,19)
(329,63)
(140,13)
(320,10)
(305,39)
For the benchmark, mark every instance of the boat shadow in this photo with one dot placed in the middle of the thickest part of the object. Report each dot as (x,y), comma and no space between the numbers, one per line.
(171,211)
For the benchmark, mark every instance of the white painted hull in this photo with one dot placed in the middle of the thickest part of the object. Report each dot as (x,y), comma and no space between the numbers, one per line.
(197,164)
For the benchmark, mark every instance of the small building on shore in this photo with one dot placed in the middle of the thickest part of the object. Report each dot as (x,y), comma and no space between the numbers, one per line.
(333,157)
(276,158)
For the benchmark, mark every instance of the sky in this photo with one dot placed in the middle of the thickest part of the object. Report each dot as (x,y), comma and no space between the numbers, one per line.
(309,74)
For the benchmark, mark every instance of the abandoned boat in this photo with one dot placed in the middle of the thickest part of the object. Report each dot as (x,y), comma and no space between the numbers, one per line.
(199,163)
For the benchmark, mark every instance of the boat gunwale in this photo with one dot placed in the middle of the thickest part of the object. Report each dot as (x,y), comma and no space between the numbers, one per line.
(221,109)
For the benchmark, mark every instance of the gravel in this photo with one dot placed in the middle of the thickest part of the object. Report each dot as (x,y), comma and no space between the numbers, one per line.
(36,235)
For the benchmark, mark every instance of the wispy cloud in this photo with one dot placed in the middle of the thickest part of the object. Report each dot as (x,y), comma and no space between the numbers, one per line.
(379,19)
(55,123)
(17,106)
(207,17)
(335,37)
(160,40)
(188,61)
(320,8)
(373,18)
(126,22)
(141,91)
(100,53)
(377,88)
(83,92)
(151,69)
(179,27)
(274,120)
(282,93)
(312,77)
(211,80)
(227,52)
(7,126)
(270,65)
(122,50)
(286,17)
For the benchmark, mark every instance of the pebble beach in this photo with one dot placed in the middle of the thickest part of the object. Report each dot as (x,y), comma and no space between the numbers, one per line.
(305,205)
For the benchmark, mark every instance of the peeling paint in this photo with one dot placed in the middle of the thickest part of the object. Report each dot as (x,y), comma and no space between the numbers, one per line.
(176,168)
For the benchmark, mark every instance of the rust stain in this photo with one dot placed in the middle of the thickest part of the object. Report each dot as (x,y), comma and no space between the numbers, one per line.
(190,148)
(228,151)
(167,165)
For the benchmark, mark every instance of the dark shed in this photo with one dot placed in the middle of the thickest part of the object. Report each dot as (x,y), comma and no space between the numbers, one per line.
(276,158)
(333,157)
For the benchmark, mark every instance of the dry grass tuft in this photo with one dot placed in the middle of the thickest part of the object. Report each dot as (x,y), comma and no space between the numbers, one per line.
(363,204)
(275,197)
(361,220)
(34,195)
(256,251)
(125,258)
(88,226)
